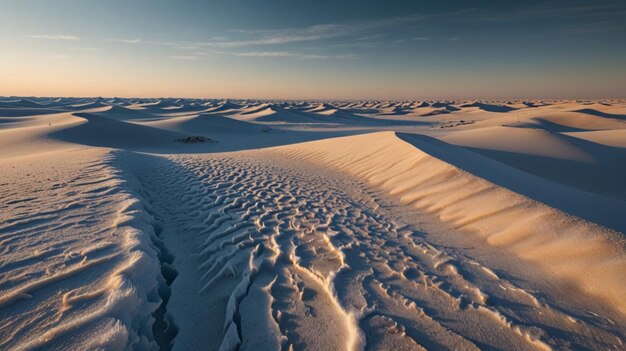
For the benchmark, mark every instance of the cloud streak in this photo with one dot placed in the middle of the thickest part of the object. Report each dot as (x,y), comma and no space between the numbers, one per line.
(311,33)
(274,54)
(183,57)
(52,37)
(554,10)
(125,41)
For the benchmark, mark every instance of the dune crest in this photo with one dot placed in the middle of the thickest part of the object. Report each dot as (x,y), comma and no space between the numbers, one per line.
(586,254)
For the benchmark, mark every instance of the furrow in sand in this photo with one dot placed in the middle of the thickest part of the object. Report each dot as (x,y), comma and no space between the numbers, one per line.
(99,272)
(231,251)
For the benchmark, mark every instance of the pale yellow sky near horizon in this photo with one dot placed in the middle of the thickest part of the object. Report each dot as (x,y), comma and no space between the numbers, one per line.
(62,76)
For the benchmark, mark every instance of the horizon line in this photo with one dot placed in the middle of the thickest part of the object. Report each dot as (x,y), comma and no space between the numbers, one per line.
(313,99)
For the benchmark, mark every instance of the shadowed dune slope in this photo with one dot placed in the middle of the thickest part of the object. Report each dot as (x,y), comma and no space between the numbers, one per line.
(583,164)
(206,124)
(106,132)
(587,255)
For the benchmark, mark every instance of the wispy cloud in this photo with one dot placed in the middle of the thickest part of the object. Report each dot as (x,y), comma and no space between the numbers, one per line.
(311,33)
(276,54)
(52,37)
(559,10)
(262,54)
(87,49)
(363,34)
(183,57)
(352,34)
(125,41)
(407,40)
(361,44)
(273,37)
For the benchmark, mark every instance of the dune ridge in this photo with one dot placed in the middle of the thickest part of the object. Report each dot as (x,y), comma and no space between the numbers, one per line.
(103,252)
(588,255)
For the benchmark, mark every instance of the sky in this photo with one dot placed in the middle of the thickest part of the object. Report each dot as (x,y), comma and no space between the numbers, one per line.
(322,49)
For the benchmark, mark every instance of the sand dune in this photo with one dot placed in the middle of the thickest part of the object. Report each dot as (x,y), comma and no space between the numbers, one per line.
(575,121)
(616,138)
(593,112)
(95,271)
(490,107)
(563,158)
(225,108)
(20,103)
(97,130)
(311,225)
(88,105)
(124,114)
(207,124)
(540,233)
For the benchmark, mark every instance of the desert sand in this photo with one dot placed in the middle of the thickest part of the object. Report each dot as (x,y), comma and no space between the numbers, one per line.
(191,224)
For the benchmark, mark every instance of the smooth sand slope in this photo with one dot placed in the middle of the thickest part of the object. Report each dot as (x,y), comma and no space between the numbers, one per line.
(340,225)
(504,218)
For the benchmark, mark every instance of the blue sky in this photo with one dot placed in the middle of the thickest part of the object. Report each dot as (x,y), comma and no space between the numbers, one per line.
(314,49)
